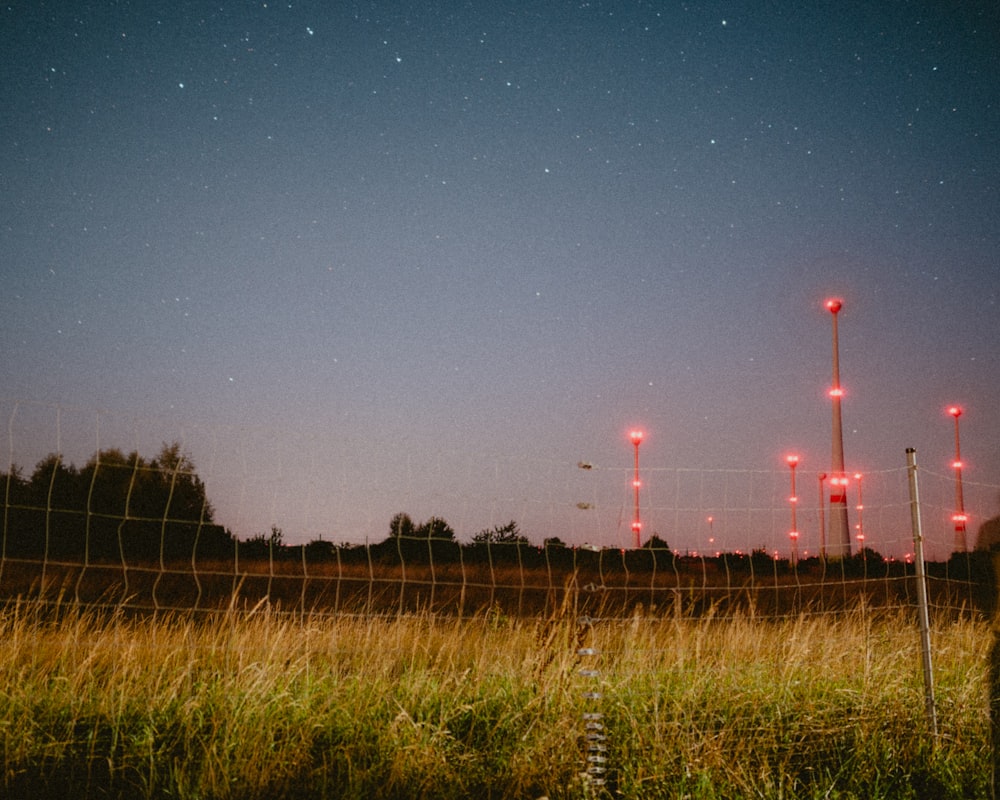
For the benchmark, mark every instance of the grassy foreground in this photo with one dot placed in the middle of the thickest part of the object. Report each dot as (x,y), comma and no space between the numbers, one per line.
(263,705)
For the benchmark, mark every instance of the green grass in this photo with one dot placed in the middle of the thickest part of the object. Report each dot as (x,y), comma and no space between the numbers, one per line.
(263,705)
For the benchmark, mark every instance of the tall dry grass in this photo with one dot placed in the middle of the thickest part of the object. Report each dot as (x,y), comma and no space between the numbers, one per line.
(259,705)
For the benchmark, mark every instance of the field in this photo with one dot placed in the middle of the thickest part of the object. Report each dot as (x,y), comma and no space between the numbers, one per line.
(517,581)
(261,704)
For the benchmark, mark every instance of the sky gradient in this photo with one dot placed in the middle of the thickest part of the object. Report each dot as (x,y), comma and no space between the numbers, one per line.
(363,258)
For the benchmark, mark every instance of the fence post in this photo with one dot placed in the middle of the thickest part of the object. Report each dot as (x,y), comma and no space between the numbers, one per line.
(993,673)
(924,611)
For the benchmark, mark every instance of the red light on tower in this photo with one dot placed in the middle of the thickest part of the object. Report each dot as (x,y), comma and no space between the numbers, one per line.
(635,437)
(959,517)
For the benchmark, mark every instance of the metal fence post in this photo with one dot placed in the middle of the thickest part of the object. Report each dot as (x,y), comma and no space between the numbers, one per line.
(993,671)
(924,611)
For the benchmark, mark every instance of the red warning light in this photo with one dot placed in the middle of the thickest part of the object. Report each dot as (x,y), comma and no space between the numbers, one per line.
(635,437)
(955,411)
(792,460)
(834,305)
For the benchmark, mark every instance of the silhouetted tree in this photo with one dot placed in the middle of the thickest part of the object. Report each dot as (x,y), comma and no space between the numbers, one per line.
(499,543)
(436,529)
(432,539)
(180,489)
(555,553)
(264,547)
(501,534)
(116,506)
(54,484)
(655,553)
(438,540)
(320,550)
(49,518)
(988,535)
(654,542)
(402,527)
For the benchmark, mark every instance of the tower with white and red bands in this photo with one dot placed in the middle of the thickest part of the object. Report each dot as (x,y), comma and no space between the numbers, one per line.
(839,539)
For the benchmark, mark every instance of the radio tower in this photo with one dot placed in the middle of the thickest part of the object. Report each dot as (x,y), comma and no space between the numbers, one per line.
(793,501)
(636,439)
(839,540)
(959,517)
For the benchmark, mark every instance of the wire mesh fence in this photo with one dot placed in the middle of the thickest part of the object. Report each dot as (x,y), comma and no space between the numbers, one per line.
(143,532)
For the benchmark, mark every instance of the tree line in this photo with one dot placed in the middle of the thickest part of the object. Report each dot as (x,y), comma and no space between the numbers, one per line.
(124,507)
(117,506)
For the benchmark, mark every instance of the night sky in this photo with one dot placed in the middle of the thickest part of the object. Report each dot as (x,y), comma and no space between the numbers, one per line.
(362,258)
